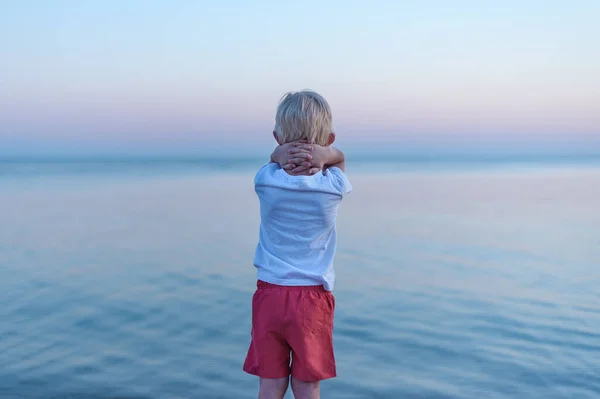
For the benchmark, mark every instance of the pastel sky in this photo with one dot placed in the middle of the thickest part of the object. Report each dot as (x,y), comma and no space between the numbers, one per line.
(179,74)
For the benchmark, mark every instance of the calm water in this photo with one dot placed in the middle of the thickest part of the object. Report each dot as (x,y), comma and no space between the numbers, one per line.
(121,281)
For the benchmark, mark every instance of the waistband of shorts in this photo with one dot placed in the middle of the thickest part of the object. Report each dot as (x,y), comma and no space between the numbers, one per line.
(263,285)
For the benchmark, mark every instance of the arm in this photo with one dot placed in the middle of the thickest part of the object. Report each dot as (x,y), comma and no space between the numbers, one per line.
(334,158)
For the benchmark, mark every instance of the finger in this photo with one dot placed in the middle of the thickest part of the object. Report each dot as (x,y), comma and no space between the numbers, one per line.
(298,150)
(299,161)
(301,155)
(302,144)
(312,171)
(305,146)
(300,168)
(289,166)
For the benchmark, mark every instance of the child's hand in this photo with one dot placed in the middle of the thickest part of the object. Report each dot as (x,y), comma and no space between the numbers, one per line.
(302,158)
(319,157)
(292,156)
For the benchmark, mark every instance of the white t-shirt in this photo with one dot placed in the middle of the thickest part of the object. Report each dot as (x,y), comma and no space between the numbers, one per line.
(297,237)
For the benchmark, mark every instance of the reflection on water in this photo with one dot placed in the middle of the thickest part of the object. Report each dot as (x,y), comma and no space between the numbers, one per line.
(450,285)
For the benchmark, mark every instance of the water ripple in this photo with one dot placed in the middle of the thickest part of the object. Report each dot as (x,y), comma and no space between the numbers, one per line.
(142,290)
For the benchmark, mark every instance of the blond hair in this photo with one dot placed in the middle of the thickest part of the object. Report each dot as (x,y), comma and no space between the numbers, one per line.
(303,115)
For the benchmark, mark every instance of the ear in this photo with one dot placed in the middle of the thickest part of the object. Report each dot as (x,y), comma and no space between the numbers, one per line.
(331,138)
(276,137)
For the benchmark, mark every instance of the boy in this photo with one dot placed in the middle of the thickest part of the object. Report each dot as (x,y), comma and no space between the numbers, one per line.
(292,308)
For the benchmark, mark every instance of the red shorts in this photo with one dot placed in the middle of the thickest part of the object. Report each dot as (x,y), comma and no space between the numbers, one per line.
(292,323)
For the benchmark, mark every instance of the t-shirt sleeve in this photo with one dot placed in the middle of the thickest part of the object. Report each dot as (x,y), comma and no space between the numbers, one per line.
(340,181)
(262,174)
(259,176)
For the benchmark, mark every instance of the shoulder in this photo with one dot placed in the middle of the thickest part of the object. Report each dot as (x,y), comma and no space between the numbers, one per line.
(339,180)
(265,173)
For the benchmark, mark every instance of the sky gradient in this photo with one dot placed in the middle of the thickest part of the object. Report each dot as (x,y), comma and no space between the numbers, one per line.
(180,75)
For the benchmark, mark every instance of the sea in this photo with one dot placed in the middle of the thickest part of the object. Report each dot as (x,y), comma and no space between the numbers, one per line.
(457,278)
